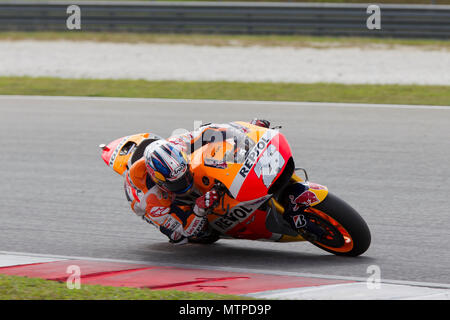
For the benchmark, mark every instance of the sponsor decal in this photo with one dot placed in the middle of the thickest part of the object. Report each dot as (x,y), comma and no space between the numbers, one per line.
(238,214)
(116,151)
(307,198)
(250,161)
(196,226)
(159,211)
(171,224)
(316,186)
(253,156)
(178,170)
(179,142)
(215,163)
(299,221)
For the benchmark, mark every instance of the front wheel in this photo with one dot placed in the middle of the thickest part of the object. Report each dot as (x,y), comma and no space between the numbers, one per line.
(338,227)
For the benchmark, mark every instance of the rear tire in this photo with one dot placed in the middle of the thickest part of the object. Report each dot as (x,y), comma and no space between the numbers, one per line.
(349,219)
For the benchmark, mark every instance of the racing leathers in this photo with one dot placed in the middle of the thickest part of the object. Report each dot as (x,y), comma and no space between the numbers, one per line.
(177,216)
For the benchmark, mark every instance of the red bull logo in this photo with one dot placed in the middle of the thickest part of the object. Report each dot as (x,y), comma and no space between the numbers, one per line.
(307,198)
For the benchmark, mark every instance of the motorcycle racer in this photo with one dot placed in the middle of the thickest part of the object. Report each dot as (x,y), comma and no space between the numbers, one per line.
(259,195)
(160,187)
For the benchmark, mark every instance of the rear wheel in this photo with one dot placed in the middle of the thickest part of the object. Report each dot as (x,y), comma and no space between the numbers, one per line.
(338,228)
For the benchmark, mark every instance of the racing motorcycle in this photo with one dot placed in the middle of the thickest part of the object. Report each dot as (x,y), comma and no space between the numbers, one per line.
(261,195)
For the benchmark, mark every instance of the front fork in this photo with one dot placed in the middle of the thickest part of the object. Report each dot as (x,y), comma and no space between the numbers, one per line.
(298,196)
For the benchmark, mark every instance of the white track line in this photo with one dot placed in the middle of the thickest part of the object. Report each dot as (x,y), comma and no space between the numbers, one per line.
(239,102)
(356,291)
(9,260)
(232,269)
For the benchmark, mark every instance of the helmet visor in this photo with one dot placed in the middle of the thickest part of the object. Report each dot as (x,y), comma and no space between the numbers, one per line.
(182,184)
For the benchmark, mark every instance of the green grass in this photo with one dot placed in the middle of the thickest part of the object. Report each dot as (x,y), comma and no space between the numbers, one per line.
(316,92)
(297,41)
(23,288)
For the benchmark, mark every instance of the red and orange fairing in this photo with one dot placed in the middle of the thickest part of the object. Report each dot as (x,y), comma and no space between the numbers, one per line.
(118,152)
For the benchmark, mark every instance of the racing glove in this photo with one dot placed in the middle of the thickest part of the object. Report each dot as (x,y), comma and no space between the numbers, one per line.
(178,233)
(208,200)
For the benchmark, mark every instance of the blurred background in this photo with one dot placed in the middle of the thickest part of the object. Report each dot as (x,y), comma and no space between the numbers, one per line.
(295,51)
(390,162)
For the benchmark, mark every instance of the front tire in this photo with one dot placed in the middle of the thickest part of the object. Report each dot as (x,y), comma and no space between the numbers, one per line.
(346,232)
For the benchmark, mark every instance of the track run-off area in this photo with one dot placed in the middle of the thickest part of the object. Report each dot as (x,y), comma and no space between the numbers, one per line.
(390,162)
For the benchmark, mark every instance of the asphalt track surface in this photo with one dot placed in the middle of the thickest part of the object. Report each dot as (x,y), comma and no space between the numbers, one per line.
(391,164)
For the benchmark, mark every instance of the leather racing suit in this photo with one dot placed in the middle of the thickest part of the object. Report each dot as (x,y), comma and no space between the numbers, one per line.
(178,217)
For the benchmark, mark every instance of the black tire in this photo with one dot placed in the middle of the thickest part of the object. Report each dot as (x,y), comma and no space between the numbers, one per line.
(350,220)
